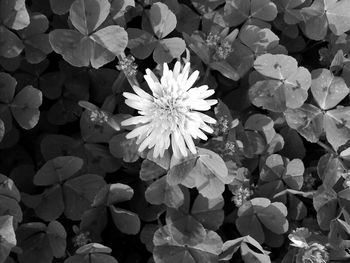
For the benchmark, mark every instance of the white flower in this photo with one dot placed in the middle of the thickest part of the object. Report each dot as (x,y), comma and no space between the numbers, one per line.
(171,114)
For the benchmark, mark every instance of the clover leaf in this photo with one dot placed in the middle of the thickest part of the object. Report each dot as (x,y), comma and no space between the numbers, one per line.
(291,10)
(60,174)
(40,242)
(9,200)
(253,41)
(326,202)
(248,254)
(13,15)
(278,173)
(126,221)
(36,42)
(169,246)
(238,11)
(322,15)
(24,105)
(86,45)
(92,253)
(163,21)
(206,171)
(8,236)
(286,85)
(258,215)
(327,89)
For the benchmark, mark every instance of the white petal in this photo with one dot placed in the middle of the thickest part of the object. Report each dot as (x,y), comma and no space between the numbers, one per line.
(212,102)
(139,105)
(206,128)
(146,142)
(191,80)
(142,93)
(189,142)
(165,69)
(186,71)
(136,120)
(176,70)
(138,131)
(206,118)
(176,150)
(200,105)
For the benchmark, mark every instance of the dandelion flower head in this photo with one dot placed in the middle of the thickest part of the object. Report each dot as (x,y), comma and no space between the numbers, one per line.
(172,115)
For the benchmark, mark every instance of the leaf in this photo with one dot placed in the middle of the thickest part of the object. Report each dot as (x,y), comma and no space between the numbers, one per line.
(293,144)
(214,163)
(48,205)
(126,221)
(263,9)
(72,45)
(294,174)
(337,126)
(60,7)
(87,15)
(80,50)
(279,168)
(258,39)
(160,192)
(81,191)
(325,204)
(168,250)
(338,16)
(198,46)
(323,14)
(58,170)
(37,44)
(150,170)
(2,129)
(119,193)
(141,42)
(8,236)
(257,213)
(297,209)
(8,188)
(209,212)
(288,87)
(162,19)
(92,253)
(307,120)
(146,236)
(25,107)
(57,238)
(273,217)
(10,45)
(225,69)
(179,171)
(276,66)
(119,9)
(290,9)
(249,255)
(14,14)
(38,25)
(91,258)
(327,89)
(113,38)
(238,11)
(209,175)
(168,49)
(9,206)
(93,248)
(7,87)
(187,20)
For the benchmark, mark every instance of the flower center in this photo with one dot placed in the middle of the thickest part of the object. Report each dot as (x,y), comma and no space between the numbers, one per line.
(169,111)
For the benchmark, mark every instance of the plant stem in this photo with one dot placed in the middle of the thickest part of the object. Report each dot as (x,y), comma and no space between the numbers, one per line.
(326,147)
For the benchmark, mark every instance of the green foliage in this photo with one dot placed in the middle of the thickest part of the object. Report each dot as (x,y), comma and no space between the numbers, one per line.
(83,177)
